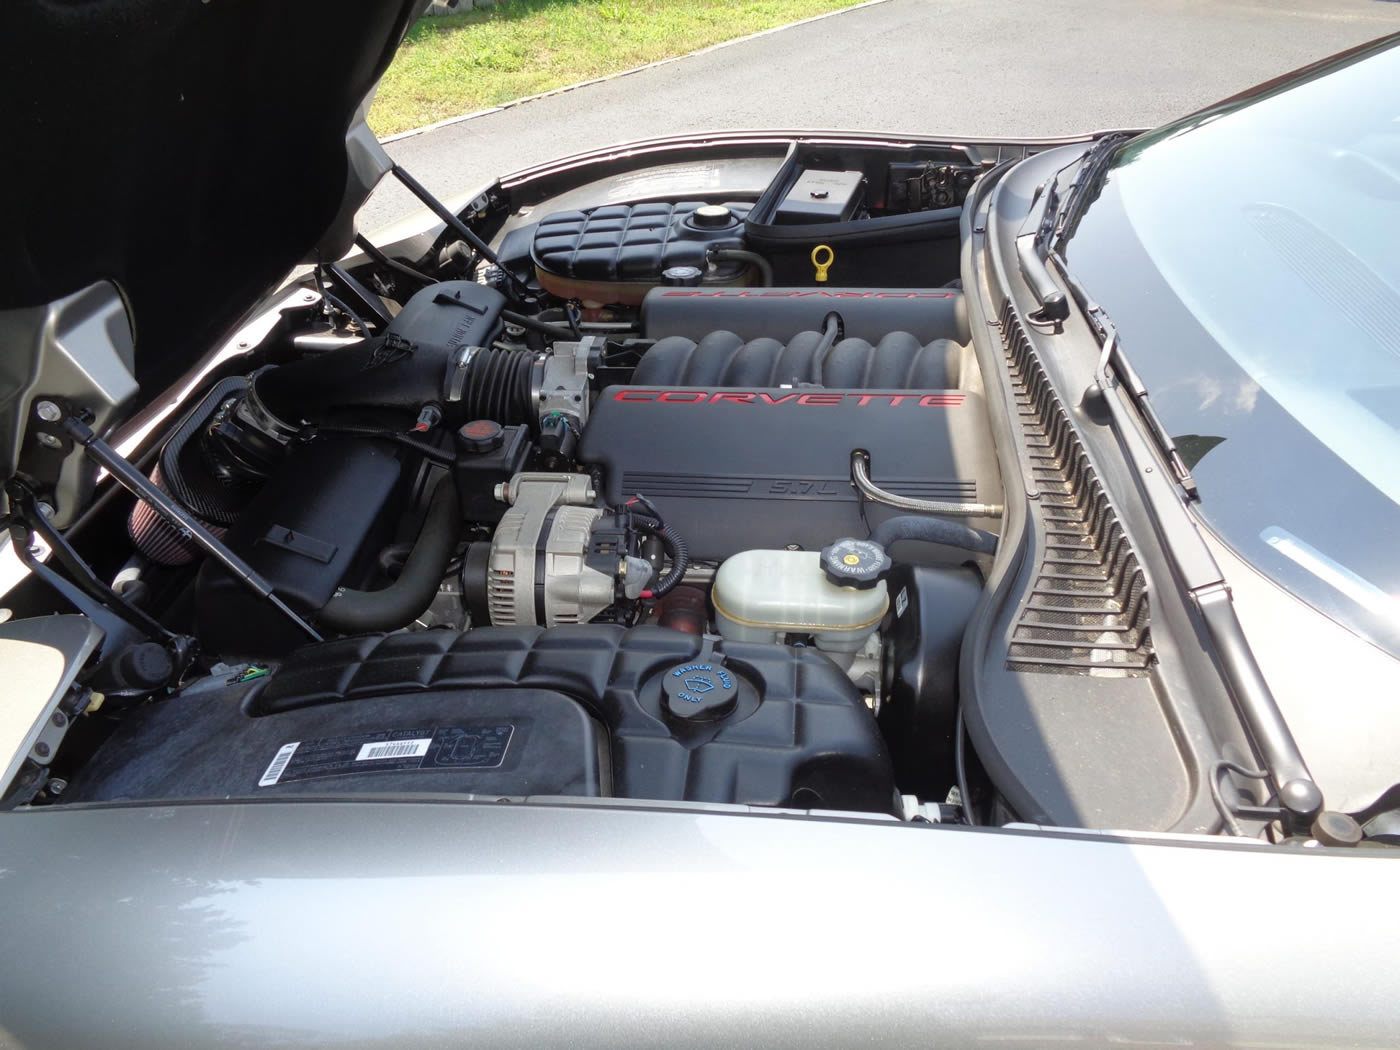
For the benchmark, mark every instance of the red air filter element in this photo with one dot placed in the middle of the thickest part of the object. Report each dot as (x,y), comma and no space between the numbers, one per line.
(157,538)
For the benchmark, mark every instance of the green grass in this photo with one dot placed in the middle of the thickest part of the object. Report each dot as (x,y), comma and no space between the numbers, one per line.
(455,64)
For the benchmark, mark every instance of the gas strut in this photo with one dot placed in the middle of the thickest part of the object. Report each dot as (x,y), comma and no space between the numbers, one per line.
(142,487)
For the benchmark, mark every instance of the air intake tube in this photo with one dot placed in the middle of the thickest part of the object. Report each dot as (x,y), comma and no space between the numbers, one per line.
(437,350)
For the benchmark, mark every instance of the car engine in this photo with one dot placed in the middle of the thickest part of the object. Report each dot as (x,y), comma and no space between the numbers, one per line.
(606,515)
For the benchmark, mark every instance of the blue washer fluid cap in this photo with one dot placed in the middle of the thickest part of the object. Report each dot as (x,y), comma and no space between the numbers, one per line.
(702,690)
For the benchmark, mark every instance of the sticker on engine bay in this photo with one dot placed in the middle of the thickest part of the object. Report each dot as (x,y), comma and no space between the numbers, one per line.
(455,747)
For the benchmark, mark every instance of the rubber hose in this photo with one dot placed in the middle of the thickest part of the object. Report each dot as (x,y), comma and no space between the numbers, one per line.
(764,267)
(554,331)
(933,530)
(404,600)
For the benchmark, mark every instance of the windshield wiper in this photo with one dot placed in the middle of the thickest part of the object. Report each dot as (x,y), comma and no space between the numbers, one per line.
(1295,792)
(1057,228)
(1051,220)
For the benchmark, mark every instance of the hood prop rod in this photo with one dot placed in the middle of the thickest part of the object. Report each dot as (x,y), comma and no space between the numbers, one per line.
(457,226)
(29,521)
(142,487)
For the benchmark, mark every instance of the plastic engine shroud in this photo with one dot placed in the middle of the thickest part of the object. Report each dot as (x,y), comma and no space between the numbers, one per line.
(512,711)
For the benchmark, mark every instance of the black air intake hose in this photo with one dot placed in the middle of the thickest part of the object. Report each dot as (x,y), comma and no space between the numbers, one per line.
(403,601)
(933,530)
(372,376)
(497,387)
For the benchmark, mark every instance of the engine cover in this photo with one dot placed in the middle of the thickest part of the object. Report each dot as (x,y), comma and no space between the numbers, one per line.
(736,468)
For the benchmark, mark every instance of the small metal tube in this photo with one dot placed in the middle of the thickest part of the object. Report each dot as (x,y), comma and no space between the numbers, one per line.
(860,476)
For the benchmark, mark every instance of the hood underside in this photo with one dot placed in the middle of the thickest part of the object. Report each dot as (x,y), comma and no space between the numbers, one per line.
(144,135)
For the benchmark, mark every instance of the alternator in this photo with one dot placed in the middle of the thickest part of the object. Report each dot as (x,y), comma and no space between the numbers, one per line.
(545,567)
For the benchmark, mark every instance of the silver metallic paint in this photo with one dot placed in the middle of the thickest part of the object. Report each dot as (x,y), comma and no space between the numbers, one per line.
(492,925)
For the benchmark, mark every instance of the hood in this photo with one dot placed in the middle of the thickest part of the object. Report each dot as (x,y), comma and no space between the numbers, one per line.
(188,152)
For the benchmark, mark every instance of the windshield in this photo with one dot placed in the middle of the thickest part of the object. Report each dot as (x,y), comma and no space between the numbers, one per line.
(1250,259)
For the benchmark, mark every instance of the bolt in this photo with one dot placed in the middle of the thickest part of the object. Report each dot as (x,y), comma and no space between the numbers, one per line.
(243,346)
(57,786)
(48,440)
(793,547)
(46,510)
(48,411)
(309,297)
(60,719)
(41,749)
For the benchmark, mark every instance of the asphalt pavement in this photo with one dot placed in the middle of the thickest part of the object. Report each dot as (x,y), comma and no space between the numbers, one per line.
(967,68)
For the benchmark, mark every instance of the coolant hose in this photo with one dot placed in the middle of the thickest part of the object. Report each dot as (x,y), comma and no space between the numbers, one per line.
(933,530)
(404,600)
(764,267)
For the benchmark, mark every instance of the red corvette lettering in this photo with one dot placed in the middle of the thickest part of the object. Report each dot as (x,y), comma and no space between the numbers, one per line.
(807,399)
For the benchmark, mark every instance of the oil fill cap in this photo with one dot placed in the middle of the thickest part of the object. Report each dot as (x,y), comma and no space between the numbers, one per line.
(701,690)
(712,217)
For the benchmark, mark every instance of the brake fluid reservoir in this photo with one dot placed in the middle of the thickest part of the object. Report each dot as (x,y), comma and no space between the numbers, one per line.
(762,595)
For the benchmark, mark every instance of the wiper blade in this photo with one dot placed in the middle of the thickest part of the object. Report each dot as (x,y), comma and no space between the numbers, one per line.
(1057,226)
(1052,214)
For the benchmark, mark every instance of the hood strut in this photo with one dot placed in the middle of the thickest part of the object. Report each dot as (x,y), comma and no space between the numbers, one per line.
(139,485)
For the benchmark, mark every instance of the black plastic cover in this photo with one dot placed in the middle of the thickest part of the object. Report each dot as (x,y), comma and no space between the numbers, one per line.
(631,242)
(821,196)
(305,531)
(474,741)
(928,314)
(799,734)
(739,468)
(898,361)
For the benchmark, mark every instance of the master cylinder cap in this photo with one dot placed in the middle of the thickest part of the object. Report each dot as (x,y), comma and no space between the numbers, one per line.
(855,563)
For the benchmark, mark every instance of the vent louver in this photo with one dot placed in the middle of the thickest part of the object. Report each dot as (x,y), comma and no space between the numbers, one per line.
(1088,609)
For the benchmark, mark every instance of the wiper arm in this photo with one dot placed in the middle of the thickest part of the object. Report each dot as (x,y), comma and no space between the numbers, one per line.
(1051,219)
(1111,358)
(1296,793)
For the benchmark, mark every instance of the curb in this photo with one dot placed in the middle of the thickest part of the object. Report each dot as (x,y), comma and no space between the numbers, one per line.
(449,121)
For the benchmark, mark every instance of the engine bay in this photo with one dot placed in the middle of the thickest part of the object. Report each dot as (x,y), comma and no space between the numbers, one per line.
(600,510)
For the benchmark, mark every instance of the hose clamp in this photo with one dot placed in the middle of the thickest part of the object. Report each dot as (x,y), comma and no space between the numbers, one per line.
(457,366)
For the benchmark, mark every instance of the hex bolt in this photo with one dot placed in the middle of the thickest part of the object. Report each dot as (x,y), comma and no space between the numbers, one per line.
(60,719)
(41,749)
(48,411)
(57,786)
(48,440)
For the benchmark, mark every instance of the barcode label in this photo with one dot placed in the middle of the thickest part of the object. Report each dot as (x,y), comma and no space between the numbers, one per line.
(279,764)
(394,749)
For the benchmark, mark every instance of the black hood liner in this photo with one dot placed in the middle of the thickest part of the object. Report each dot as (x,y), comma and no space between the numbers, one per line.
(192,151)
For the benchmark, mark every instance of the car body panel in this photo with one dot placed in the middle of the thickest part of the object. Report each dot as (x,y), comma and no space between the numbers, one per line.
(498,925)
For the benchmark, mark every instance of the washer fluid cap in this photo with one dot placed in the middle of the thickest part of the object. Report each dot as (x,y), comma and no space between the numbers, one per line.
(701,690)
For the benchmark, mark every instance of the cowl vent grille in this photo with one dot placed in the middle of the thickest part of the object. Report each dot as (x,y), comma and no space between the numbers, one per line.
(1088,610)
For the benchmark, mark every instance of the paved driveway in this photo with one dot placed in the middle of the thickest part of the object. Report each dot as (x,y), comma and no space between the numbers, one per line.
(964,67)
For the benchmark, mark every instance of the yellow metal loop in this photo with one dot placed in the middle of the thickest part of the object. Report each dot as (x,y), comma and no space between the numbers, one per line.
(822,261)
